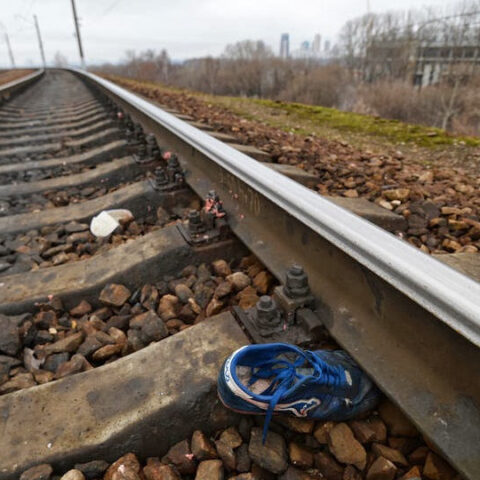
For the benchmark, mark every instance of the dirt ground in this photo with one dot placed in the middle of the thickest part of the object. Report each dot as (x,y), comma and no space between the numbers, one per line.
(10,75)
(429,177)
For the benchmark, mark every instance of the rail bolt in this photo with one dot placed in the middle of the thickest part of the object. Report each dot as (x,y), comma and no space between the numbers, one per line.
(153,152)
(173,162)
(161,177)
(127,121)
(296,284)
(213,196)
(195,223)
(267,314)
(175,173)
(151,140)
(139,133)
(142,151)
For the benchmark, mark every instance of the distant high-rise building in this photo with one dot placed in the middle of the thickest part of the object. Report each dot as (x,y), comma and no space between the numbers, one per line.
(284,45)
(327,45)
(317,44)
(305,46)
(305,51)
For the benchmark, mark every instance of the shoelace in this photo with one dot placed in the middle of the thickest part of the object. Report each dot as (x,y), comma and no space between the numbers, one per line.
(283,375)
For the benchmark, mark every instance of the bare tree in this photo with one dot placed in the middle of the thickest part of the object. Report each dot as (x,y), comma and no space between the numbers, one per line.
(60,60)
(460,37)
(378,46)
(380,58)
(246,66)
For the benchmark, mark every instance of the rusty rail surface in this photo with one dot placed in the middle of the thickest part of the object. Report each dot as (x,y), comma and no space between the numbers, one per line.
(412,322)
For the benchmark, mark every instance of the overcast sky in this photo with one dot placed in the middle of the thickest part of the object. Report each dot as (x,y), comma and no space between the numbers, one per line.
(186,28)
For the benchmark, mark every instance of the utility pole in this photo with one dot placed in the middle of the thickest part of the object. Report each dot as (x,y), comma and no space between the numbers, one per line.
(40,43)
(10,53)
(79,39)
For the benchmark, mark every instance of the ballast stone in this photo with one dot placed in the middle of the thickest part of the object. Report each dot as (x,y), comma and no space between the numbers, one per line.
(272,455)
(9,336)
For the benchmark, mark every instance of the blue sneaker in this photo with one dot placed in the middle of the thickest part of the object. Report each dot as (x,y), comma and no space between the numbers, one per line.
(282,378)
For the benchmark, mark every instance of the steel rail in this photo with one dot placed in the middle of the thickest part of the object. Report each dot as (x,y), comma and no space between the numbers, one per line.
(448,294)
(412,322)
(8,88)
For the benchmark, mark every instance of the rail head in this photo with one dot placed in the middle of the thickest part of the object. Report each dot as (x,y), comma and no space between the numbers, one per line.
(446,293)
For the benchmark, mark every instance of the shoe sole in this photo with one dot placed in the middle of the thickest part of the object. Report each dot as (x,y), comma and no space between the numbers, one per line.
(276,414)
(243,412)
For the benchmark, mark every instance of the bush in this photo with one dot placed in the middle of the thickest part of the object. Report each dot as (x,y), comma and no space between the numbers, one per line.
(250,69)
(323,85)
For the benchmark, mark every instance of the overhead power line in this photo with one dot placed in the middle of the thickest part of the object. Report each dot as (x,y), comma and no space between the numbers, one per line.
(110,8)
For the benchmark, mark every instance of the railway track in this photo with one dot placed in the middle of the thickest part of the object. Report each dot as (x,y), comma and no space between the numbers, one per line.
(112,344)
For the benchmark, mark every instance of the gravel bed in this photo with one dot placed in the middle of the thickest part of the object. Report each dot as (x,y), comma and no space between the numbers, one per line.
(59,244)
(382,446)
(437,195)
(57,198)
(36,175)
(38,156)
(53,343)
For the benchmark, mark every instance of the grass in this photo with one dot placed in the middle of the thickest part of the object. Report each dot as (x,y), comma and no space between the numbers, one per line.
(329,122)
(392,130)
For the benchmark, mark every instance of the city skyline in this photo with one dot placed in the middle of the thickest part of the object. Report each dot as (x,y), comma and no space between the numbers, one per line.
(109,27)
